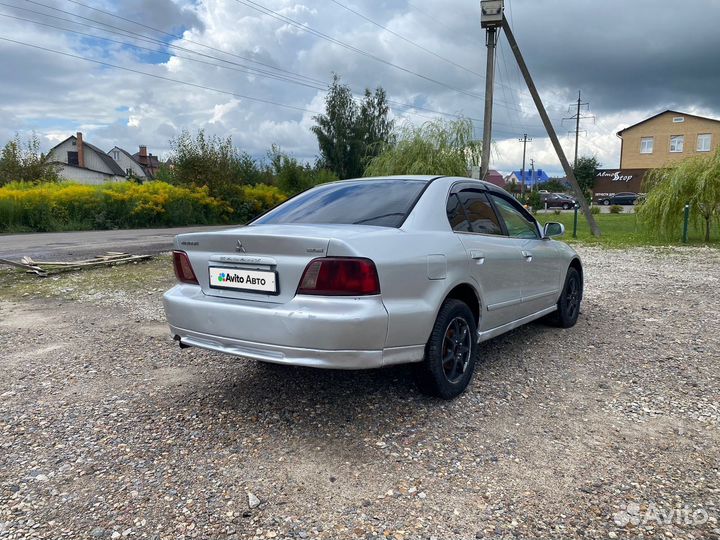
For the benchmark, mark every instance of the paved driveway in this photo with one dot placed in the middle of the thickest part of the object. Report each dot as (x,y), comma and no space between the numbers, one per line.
(75,245)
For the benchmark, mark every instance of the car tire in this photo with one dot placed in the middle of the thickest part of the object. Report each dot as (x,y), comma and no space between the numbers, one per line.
(568,305)
(566,206)
(450,353)
(606,202)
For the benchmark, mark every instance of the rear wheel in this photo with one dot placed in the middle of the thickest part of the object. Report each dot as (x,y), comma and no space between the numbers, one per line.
(568,306)
(566,206)
(606,202)
(450,352)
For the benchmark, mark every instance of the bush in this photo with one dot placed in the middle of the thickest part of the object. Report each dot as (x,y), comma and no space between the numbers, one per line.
(616,209)
(594,210)
(68,206)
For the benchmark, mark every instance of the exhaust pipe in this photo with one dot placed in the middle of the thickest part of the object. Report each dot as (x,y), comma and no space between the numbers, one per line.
(179,340)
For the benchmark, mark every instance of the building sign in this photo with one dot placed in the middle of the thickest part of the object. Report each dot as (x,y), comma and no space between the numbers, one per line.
(611,181)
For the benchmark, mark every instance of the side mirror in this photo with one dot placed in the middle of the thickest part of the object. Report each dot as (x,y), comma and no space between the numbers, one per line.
(553,230)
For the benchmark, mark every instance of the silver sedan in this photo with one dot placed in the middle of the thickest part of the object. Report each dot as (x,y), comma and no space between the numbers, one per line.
(373,272)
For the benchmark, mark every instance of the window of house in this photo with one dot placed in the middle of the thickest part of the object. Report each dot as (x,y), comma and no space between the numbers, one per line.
(646,145)
(678,119)
(704,141)
(72,158)
(676,143)
(116,155)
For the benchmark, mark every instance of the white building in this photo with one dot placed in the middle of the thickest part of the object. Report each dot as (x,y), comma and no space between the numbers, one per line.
(84,163)
(128,163)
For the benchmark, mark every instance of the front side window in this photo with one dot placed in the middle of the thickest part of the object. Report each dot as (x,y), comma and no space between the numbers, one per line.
(384,203)
(518,225)
(646,145)
(676,143)
(704,141)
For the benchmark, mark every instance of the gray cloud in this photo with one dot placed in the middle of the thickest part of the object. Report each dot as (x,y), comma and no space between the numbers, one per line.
(631,59)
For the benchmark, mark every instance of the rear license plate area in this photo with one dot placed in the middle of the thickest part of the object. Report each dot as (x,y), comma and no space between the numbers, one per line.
(237,279)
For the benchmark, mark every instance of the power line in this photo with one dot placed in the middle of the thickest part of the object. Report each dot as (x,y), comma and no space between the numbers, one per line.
(411,42)
(250,71)
(305,28)
(577,117)
(161,77)
(150,38)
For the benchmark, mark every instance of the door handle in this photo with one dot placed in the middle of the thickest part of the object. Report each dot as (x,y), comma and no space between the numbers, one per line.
(528,255)
(479,256)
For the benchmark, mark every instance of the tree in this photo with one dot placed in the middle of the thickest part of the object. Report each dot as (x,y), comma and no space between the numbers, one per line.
(585,173)
(350,135)
(435,147)
(694,181)
(291,176)
(25,163)
(207,161)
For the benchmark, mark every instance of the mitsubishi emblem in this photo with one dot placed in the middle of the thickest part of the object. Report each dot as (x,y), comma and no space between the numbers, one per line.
(240,247)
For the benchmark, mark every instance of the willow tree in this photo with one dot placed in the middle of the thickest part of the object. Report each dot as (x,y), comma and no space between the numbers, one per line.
(435,147)
(694,181)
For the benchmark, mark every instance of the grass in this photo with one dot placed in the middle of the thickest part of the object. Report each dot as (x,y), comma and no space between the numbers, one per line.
(623,230)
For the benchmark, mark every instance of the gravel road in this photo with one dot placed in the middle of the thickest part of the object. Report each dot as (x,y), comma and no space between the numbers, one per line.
(606,430)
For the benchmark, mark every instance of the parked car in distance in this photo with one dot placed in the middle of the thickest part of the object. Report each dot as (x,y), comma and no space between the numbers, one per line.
(373,272)
(624,198)
(558,200)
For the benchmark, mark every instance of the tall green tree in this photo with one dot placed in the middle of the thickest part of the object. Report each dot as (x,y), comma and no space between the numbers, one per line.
(694,181)
(348,134)
(585,173)
(25,163)
(435,147)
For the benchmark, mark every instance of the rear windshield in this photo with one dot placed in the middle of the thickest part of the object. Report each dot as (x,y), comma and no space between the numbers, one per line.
(368,202)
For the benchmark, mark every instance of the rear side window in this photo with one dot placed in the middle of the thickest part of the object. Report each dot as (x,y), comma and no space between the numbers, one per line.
(384,203)
(470,211)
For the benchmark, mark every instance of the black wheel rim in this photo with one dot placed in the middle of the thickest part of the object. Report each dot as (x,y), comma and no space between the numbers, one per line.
(572,297)
(456,349)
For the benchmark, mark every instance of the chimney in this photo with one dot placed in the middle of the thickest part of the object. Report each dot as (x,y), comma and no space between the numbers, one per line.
(143,152)
(80,150)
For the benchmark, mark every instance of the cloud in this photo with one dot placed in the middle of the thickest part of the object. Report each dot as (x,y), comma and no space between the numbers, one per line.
(630,59)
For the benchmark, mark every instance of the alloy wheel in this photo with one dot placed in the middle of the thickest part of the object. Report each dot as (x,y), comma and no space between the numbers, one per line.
(456,349)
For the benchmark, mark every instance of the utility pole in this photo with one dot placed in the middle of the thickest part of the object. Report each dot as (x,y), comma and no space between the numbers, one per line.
(549,127)
(577,117)
(524,140)
(489,9)
(532,174)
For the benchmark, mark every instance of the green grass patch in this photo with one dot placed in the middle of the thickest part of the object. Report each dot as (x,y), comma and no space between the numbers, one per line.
(623,230)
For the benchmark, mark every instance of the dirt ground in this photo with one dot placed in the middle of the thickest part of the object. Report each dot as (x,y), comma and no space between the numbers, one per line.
(606,430)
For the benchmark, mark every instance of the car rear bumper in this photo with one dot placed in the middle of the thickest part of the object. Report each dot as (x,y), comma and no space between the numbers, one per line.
(315,331)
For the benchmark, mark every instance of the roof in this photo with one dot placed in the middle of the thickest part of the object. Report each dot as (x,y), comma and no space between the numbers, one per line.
(619,133)
(106,159)
(539,175)
(130,156)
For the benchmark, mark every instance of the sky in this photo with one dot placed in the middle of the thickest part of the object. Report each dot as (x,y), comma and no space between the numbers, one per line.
(138,72)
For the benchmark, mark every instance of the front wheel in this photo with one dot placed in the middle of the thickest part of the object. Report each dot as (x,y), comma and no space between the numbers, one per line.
(568,306)
(450,352)
(606,202)
(566,206)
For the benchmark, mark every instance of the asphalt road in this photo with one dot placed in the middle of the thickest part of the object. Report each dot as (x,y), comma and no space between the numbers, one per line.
(75,245)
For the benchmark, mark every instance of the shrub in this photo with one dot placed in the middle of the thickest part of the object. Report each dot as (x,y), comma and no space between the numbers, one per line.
(68,206)
(616,209)
(595,210)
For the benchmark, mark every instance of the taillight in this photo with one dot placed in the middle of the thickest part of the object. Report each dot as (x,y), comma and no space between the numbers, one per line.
(183,270)
(340,276)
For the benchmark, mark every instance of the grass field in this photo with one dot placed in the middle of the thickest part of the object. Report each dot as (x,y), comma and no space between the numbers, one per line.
(624,230)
